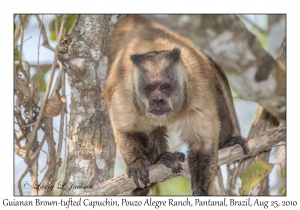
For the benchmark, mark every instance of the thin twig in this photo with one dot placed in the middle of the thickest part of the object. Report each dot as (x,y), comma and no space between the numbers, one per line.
(44,34)
(18,29)
(45,99)
(24,41)
(38,56)
(65,141)
(17,141)
(27,125)
(58,132)
(47,164)
(21,178)
(38,149)
(28,117)
(42,66)
(57,85)
(61,126)
(25,68)
(21,122)
(52,154)
(22,38)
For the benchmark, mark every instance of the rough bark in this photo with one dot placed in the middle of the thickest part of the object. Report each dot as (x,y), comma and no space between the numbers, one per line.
(159,172)
(91,147)
(255,75)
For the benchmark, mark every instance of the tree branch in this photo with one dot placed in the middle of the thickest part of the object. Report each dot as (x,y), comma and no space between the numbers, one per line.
(159,172)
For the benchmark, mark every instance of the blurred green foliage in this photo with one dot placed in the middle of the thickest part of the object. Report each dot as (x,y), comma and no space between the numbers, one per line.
(16,55)
(41,81)
(175,186)
(70,21)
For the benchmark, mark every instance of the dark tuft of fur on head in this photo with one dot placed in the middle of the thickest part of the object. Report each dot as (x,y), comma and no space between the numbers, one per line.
(137,59)
(174,54)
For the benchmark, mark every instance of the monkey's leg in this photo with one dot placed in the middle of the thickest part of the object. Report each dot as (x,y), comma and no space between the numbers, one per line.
(203,164)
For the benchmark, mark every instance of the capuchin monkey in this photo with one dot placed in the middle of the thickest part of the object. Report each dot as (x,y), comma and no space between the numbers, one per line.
(158,81)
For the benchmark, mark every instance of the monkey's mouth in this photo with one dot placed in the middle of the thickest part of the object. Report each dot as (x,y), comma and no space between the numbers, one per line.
(157,110)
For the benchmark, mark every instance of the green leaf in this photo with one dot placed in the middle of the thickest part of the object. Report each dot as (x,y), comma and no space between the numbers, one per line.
(255,174)
(175,186)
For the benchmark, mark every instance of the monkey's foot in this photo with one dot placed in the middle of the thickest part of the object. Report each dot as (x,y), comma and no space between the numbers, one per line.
(171,160)
(139,169)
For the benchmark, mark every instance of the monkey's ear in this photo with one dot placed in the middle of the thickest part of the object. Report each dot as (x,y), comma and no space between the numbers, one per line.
(174,55)
(137,59)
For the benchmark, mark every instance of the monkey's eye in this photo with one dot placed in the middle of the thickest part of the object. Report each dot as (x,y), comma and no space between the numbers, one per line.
(165,86)
(149,87)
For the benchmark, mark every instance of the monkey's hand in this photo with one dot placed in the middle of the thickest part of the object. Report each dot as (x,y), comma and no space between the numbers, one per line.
(139,169)
(237,140)
(171,160)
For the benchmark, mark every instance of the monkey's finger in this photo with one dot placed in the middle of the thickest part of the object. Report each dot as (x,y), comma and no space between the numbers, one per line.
(128,173)
(177,168)
(142,179)
(245,149)
(145,172)
(135,179)
(166,162)
(180,156)
(145,175)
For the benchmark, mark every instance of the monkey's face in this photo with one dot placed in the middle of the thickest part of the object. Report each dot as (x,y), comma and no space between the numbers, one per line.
(159,83)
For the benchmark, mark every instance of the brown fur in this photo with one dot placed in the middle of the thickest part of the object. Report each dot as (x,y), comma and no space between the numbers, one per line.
(142,49)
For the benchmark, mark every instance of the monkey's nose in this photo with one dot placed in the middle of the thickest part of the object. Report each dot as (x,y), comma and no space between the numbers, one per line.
(158,100)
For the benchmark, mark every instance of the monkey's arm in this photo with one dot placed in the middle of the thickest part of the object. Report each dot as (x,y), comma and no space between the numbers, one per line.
(133,147)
